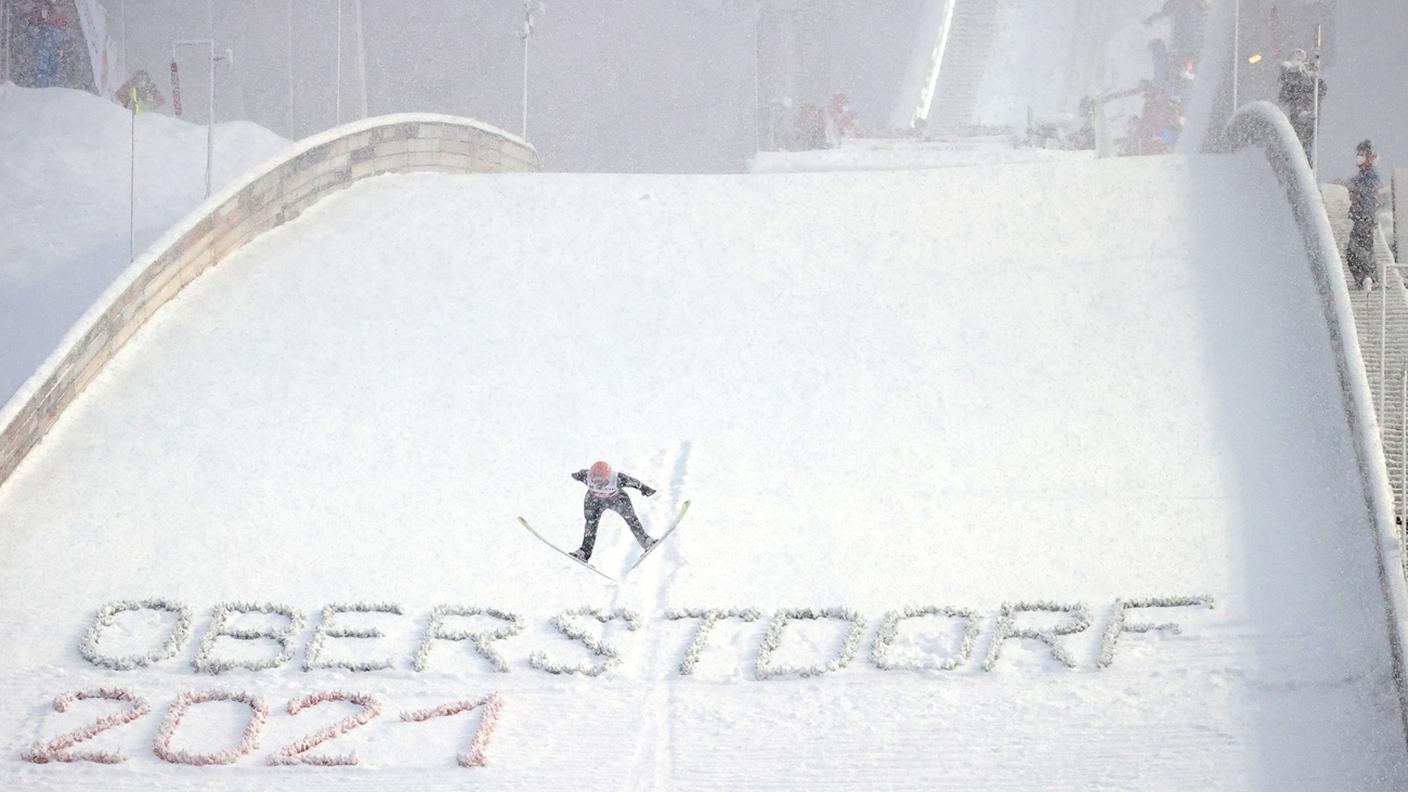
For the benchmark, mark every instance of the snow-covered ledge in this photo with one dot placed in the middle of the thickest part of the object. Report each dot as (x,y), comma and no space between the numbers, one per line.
(267,197)
(1263,124)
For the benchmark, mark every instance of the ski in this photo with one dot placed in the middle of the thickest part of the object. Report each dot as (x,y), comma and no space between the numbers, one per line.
(673,525)
(565,554)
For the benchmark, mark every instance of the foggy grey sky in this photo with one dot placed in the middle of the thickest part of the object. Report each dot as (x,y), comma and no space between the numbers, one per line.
(653,85)
(623,85)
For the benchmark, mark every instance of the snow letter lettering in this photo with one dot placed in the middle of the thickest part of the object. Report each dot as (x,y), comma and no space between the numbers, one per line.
(60,748)
(765,668)
(220,627)
(1007,629)
(565,625)
(885,637)
(477,755)
(259,716)
(297,752)
(708,618)
(482,639)
(1118,624)
(326,631)
(180,632)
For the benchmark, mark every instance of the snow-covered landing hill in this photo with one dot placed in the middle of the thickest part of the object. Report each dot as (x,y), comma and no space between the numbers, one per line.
(994,390)
(64,169)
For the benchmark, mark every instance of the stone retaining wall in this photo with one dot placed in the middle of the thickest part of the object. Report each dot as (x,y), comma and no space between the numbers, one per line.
(272,195)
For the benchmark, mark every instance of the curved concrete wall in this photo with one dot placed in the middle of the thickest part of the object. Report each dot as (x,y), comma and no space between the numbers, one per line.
(1263,124)
(268,197)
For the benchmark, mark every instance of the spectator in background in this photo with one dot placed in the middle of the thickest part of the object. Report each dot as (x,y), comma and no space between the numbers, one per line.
(1190,21)
(139,93)
(1160,122)
(1158,50)
(1364,212)
(1299,86)
(841,120)
(810,127)
(50,27)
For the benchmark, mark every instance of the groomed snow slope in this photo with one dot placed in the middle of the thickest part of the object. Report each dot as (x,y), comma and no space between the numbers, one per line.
(1071,381)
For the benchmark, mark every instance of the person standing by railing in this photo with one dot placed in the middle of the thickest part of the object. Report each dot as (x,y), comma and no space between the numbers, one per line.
(1300,82)
(50,29)
(1364,212)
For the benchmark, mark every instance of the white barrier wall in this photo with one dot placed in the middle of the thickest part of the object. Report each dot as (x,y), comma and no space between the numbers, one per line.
(1263,124)
(270,196)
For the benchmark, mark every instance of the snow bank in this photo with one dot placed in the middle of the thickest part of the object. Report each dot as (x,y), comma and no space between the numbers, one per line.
(859,154)
(64,167)
(266,197)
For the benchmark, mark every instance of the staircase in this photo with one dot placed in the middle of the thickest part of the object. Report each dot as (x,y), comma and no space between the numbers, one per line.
(1368,308)
(965,63)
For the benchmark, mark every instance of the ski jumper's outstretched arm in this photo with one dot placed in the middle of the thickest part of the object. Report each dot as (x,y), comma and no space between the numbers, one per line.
(627,481)
(622,481)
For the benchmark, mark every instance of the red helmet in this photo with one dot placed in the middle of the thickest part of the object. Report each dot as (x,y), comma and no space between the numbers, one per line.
(600,471)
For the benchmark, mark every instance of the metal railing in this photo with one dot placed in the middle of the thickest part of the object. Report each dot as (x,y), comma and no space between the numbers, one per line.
(1386,263)
(1384,268)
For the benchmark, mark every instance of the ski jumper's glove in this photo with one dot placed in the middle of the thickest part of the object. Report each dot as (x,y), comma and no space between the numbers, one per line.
(646,491)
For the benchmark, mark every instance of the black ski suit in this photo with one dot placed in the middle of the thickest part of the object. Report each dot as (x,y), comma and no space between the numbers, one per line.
(593,505)
(1298,98)
(1364,211)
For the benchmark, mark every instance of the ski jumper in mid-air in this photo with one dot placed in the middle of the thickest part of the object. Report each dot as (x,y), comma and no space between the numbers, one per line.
(606,490)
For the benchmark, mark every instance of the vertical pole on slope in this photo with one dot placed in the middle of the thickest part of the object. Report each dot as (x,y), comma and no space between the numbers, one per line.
(1383,338)
(176,95)
(1236,49)
(527,31)
(337,104)
(757,92)
(132,185)
(1315,93)
(524,128)
(361,56)
(288,32)
(4,42)
(175,84)
(1403,452)
(210,122)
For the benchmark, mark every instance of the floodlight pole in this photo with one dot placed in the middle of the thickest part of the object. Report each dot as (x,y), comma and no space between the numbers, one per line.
(209,44)
(4,42)
(757,86)
(1315,93)
(361,56)
(132,183)
(1236,49)
(526,33)
(288,32)
(338,102)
